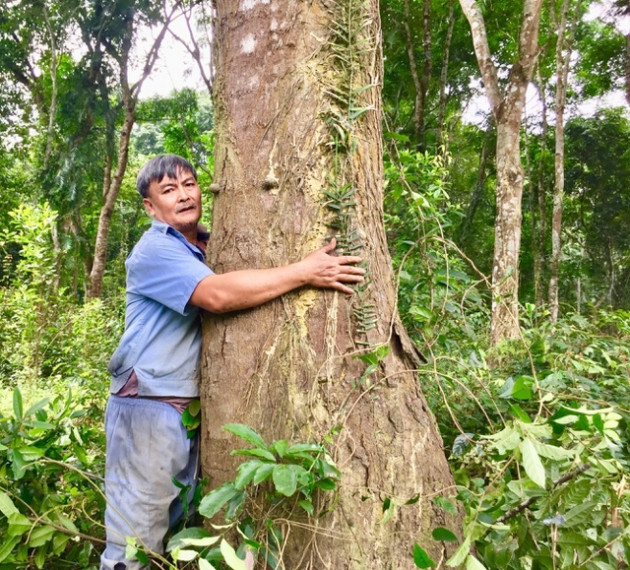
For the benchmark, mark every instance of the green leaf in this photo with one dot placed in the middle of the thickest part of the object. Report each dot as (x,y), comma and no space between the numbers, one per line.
(300,448)
(443,534)
(230,557)
(307,506)
(326,484)
(246,472)
(191,537)
(41,535)
(280,447)
(7,546)
(532,463)
(7,508)
(285,479)
(446,505)
(473,564)
(264,472)
(36,407)
(212,503)
(460,554)
(205,565)
(184,555)
(246,433)
(18,524)
(256,452)
(421,558)
(18,407)
(31,453)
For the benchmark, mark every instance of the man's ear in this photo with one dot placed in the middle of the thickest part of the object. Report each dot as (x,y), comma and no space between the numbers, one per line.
(148,206)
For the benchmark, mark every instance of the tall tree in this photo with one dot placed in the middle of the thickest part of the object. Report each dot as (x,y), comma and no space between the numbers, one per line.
(298,156)
(116,27)
(507,108)
(563,56)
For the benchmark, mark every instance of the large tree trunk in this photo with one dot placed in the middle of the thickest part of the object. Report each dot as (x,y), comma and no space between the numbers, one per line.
(507,108)
(288,128)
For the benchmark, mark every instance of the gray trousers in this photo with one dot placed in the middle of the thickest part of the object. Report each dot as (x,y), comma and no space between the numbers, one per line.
(147,446)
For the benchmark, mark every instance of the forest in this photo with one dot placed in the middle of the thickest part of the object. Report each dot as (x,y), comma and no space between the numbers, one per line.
(464,408)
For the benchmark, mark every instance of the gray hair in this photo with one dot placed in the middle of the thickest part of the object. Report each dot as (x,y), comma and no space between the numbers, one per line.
(159,167)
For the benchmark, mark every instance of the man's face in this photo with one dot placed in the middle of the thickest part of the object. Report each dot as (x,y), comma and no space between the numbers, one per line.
(175,201)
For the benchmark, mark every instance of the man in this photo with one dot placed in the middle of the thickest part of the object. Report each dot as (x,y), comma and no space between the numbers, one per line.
(155,369)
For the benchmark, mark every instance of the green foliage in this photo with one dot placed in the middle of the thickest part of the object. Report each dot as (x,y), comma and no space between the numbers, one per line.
(539,445)
(279,481)
(44,333)
(49,496)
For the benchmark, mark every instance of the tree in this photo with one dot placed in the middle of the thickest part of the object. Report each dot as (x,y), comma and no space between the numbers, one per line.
(116,27)
(563,56)
(298,156)
(507,109)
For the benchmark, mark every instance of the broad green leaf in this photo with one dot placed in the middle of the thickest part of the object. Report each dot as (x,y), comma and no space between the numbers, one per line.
(246,472)
(263,473)
(285,479)
(18,524)
(280,447)
(304,447)
(507,440)
(443,534)
(473,564)
(421,558)
(230,557)
(31,453)
(255,452)
(553,451)
(41,535)
(187,537)
(184,555)
(532,463)
(7,545)
(212,503)
(7,508)
(205,565)
(246,433)
(460,554)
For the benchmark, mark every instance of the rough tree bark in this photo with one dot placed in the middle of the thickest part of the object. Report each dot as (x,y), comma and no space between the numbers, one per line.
(291,123)
(507,109)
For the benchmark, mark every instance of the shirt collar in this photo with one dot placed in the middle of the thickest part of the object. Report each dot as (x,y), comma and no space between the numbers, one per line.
(161,227)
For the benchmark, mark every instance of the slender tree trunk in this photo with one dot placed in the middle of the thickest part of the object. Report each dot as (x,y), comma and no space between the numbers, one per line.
(563,57)
(112,185)
(420,80)
(507,109)
(110,192)
(539,211)
(477,192)
(298,113)
(441,131)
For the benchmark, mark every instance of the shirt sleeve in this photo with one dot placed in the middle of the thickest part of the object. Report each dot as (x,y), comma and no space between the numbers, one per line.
(166,271)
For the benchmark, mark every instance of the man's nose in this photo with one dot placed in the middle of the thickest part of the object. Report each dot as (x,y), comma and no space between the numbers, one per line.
(182,193)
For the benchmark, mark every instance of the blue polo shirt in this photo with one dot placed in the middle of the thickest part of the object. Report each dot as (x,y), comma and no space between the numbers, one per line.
(162,337)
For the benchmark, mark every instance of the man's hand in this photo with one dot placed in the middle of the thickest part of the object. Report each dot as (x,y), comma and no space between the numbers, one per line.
(321,269)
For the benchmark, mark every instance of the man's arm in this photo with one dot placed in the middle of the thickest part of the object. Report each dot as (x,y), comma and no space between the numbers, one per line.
(252,287)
